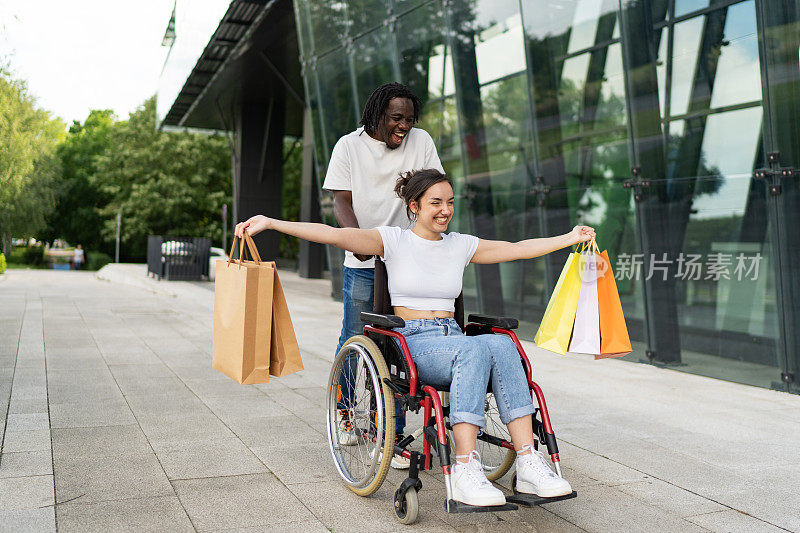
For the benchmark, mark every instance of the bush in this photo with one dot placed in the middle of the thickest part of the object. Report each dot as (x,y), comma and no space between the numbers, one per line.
(33,255)
(17,256)
(96,260)
(2,263)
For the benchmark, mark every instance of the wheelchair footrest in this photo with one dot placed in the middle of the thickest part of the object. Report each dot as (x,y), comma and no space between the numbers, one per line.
(528,500)
(453,506)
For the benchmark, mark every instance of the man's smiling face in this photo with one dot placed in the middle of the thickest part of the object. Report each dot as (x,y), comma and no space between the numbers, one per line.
(396,123)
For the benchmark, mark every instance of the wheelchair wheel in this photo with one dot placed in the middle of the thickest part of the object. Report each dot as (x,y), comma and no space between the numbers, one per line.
(496,459)
(362,454)
(406,506)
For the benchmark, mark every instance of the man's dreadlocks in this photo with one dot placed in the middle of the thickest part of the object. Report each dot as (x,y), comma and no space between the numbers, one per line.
(378,101)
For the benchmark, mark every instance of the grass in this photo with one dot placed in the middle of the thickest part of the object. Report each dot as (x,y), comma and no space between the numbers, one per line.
(18,266)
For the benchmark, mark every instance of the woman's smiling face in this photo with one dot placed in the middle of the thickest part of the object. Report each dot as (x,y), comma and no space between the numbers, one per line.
(434,210)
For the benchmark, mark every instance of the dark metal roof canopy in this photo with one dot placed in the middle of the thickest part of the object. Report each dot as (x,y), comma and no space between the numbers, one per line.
(226,43)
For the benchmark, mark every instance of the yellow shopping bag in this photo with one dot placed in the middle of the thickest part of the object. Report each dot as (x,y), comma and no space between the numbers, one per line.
(555,329)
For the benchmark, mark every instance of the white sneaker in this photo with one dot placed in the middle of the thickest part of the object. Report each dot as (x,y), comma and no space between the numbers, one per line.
(400,463)
(470,485)
(347,434)
(534,476)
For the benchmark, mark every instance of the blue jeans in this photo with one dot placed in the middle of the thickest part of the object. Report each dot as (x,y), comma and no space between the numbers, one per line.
(358,297)
(445,356)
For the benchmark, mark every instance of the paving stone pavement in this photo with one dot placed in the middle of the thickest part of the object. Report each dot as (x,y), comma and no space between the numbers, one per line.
(112,419)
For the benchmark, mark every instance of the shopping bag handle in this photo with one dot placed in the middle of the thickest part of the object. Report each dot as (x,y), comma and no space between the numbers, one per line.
(251,245)
(245,242)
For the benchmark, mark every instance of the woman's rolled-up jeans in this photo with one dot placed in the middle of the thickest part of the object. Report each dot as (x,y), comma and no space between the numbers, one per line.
(445,356)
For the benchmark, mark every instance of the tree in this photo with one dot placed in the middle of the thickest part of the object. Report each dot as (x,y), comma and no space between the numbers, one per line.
(75,218)
(161,183)
(28,166)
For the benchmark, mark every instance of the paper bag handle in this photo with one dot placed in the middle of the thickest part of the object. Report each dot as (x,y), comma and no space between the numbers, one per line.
(250,245)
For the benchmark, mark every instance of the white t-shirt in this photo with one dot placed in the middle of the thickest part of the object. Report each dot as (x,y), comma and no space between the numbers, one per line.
(423,274)
(370,170)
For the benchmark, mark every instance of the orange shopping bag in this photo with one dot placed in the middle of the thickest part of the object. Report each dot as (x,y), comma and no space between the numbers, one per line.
(614,340)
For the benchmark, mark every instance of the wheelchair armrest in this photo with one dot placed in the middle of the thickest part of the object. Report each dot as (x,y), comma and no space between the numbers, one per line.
(382,321)
(494,321)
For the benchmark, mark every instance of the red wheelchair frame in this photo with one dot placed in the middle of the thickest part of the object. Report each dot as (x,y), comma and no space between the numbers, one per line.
(421,396)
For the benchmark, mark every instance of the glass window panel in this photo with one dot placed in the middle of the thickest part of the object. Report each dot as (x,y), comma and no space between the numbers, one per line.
(738,76)
(425,62)
(328,24)
(686,45)
(683,7)
(303,31)
(611,107)
(499,49)
(570,89)
(401,6)
(505,118)
(336,93)
(365,15)
(584,24)
(372,62)
(661,70)
(727,311)
(729,149)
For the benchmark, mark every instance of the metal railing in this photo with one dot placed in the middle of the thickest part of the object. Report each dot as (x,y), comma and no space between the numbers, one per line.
(178,258)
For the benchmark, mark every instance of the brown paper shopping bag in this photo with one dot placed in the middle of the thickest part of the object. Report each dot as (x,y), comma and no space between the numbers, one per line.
(243,317)
(284,353)
(284,356)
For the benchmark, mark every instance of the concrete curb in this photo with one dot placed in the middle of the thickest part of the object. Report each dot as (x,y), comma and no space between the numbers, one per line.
(134,275)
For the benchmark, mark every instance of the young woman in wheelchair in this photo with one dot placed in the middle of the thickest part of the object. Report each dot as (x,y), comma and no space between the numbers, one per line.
(425,269)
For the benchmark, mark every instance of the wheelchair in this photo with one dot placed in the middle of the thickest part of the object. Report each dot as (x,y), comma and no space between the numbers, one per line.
(379,373)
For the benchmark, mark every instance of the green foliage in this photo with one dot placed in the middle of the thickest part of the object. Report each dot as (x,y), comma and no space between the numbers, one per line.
(161,183)
(33,255)
(28,166)
(96,260)
(76,218)
(17,256)
(2,263)
(290,205)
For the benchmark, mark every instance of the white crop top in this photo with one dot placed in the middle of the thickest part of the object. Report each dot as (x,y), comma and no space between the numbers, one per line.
(425,275)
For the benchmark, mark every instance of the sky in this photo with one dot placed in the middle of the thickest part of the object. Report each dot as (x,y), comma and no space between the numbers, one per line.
(79,55)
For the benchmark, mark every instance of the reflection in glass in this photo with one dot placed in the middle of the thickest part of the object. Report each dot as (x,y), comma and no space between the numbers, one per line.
(738,73)
(499,49)
(686,45)
(682,7)
(328,24)
(374,62)
(584,24)
(365,15)
(336,94)
(425,63)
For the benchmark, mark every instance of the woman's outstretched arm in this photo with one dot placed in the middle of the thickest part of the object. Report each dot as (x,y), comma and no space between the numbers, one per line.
(502,251)
(357,240)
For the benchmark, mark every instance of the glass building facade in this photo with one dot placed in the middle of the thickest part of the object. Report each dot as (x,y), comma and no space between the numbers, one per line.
(671,126)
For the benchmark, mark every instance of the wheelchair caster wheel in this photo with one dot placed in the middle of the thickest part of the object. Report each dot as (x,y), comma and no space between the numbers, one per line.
(406,505)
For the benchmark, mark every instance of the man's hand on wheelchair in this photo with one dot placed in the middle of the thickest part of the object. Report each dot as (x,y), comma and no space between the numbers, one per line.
(253,225)
(582,234)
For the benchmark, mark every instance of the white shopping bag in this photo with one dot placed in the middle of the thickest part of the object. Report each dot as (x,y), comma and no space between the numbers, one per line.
(586,331)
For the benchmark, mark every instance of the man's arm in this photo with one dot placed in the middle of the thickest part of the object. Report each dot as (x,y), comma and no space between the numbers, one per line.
(344,214)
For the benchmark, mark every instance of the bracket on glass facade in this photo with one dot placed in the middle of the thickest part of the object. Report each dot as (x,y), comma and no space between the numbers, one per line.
(637,184)
(775,173)
(541,190)
(391,23)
